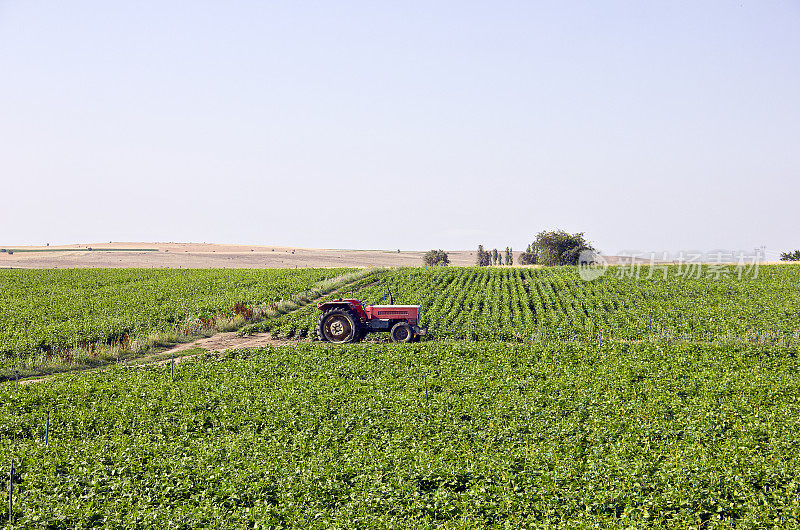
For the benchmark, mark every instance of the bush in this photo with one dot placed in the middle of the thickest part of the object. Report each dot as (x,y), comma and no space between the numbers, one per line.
(790,256)
(436,257)
(557,247)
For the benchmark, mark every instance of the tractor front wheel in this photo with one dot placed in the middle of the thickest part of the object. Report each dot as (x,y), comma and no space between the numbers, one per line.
(402,332)
(339,326)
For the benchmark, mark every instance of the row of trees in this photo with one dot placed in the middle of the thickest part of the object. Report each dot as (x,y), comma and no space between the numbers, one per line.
(555,247)
(486,258)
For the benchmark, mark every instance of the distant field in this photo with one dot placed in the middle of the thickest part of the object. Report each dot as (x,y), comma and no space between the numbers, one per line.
(224,256)
(440,435)
(208,256)
(12,251)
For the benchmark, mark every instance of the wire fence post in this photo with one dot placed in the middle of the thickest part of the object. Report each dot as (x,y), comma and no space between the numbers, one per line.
(172,366)
(16,378)
(426,389)
(47,431)
(11,493)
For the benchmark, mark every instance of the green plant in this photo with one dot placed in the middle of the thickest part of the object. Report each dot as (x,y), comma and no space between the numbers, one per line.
(436,257)
(558,247)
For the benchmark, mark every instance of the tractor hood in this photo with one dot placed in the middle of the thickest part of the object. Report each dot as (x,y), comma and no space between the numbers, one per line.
(394,312)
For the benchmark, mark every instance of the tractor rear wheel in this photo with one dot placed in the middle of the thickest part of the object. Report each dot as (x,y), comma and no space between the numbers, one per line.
(402,332)
(339,326)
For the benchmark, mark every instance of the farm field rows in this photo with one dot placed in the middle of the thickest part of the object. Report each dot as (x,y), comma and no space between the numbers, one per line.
(456,435)
(524,304)
(52,313)
(55,310)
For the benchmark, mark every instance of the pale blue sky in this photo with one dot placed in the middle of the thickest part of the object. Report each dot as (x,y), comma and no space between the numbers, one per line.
(648,125)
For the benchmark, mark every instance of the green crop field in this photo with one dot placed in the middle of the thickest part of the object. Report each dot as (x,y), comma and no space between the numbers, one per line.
(526,304)
(538,400)
(54,311)
(455,435)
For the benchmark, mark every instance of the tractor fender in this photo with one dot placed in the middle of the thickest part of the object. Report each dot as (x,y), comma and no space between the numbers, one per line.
(344,304)
(324,306)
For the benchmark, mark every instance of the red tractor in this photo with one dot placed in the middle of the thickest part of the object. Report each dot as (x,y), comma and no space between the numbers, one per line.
(349,321)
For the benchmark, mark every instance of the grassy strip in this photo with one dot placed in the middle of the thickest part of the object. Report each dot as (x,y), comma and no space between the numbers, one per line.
(124,360)
(100,355)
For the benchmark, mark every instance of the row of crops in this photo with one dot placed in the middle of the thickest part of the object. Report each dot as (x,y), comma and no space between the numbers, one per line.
(528,304)
(438,434)
(59,309)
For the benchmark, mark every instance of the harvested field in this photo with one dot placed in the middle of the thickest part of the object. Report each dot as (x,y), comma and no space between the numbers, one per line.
(209,256)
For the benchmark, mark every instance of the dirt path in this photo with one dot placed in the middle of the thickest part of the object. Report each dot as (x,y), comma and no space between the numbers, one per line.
(220,342)
(216,343)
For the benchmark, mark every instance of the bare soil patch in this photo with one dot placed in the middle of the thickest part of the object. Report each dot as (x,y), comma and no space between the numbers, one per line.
(210,256)
(221,256)
(220,342)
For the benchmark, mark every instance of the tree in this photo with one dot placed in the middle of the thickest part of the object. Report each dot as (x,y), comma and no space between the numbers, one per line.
(484,258)
(557,247)
(528,257)
(495,257)
(509,256)
(436,257)
(790,256)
